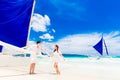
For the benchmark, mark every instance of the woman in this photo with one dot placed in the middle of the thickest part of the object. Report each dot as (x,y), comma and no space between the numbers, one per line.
(57,55)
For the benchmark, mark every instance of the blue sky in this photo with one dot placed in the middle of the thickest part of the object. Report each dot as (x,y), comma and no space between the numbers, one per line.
(65,18)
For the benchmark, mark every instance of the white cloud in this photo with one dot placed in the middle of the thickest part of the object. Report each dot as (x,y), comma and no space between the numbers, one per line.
(39,22)
(83,43)
(47,36)
(30,43)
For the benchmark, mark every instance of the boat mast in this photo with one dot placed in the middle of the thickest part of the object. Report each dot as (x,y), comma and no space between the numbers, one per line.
(30,21)
(105,47)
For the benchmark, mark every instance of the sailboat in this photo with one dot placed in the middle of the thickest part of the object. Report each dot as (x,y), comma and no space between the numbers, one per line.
(100,46)
(15,16)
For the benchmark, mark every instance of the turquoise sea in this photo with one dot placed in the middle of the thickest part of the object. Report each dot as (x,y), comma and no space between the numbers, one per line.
(82,59)
(75,56)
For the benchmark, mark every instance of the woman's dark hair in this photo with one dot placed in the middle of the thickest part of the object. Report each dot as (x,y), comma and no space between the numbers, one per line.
(57,47)
(38,42)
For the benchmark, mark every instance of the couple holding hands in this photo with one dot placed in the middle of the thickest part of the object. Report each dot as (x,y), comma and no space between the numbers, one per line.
(36,49)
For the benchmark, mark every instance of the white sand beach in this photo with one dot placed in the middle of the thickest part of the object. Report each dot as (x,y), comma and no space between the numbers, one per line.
(17,68)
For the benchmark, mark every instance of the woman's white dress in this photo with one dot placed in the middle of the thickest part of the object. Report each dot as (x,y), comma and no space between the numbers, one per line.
(56,56)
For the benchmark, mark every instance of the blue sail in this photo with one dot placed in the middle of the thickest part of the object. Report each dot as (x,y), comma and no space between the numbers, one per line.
(99,46)
(1,48)
(14,21)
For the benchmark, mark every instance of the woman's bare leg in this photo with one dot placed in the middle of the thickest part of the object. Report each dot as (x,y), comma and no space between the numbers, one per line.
(56,68)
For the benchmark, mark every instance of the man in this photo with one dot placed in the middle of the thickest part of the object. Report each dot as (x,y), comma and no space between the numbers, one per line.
(34,51)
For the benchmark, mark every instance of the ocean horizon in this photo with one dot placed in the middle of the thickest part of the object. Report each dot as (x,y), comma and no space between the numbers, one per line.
(71,56)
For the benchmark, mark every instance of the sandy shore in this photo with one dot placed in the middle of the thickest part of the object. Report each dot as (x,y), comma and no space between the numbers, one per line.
(17,68)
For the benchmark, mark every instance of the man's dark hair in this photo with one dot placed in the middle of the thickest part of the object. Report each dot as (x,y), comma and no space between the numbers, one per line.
(38,42)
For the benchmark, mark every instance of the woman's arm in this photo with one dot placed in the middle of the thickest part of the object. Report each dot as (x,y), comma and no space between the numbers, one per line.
(60,53)
(51,55)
